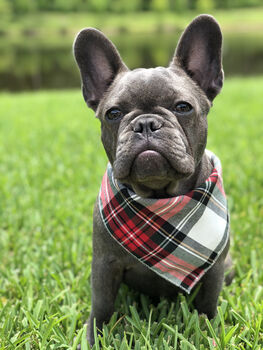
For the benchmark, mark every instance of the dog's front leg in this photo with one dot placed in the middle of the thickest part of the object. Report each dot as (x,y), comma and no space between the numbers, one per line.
(105,278)
(207,297)
(211,285)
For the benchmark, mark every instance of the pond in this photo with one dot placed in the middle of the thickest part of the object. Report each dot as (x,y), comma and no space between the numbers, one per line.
(32,67)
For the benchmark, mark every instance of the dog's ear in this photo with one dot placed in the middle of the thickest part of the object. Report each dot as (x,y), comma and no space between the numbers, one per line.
(99,62)
(199,54)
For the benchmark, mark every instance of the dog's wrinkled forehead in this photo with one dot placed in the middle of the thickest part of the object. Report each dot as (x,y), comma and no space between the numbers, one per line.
(153,87)
(151,82)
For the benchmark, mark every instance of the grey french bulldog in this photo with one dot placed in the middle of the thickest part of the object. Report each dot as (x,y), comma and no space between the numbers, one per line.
(154,131)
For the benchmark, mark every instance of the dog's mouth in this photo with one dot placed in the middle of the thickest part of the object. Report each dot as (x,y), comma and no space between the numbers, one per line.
(150,174)
(149,166)
(153,175)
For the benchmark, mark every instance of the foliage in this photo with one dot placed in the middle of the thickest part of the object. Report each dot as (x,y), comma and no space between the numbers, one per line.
(25,6)
(160,5)
(5,7)
(204,5)
(50,172)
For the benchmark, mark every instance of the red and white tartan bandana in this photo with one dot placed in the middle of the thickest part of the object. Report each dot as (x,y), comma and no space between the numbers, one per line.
(179,238)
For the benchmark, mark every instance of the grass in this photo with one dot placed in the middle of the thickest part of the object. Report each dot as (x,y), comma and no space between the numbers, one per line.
(50,171)
(56,28)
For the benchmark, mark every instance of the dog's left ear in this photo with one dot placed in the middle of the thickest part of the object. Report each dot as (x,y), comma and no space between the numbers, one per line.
(199,54)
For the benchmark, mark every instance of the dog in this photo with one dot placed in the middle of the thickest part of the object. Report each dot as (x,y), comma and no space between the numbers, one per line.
(159,226)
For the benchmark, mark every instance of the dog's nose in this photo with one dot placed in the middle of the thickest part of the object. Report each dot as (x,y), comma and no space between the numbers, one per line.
(146,125)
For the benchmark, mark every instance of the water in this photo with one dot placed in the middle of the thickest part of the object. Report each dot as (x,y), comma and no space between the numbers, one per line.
(37,67)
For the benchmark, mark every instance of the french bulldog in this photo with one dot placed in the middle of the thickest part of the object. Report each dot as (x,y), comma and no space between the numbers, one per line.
(154,131)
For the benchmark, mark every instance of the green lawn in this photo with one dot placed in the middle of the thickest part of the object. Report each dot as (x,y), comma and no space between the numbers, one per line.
(50,171)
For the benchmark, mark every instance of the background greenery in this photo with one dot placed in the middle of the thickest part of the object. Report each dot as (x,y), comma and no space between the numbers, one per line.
(36,49)
(25,6)
(52,163)
(58,26)
(36,46)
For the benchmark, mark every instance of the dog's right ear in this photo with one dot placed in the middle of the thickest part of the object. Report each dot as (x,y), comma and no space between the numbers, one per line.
(99,62)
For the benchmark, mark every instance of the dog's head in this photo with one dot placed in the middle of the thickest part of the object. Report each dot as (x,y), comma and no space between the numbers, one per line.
(153,121)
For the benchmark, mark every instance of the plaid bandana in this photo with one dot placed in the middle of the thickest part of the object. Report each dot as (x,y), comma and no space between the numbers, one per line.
(179,238)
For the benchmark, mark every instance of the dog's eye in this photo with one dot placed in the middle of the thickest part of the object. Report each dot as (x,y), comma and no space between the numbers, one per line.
(114,114)
(183,108)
